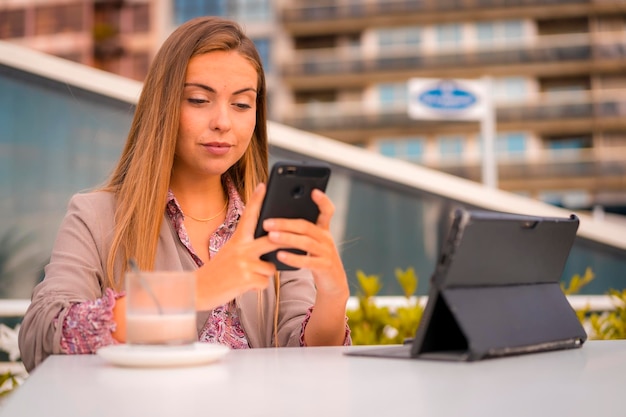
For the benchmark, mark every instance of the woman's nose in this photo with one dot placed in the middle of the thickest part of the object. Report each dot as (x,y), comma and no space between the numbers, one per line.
(220,118)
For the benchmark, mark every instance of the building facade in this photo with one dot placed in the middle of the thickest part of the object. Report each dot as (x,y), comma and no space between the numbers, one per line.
(113,35)
(341,69)
(558,71)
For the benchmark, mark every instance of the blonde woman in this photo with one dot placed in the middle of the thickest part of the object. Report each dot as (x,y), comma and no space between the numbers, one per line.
(195,157)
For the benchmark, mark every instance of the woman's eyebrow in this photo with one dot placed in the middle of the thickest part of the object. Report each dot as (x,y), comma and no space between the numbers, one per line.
(211,90)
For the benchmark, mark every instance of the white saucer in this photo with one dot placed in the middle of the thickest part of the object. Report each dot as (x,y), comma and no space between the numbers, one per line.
(162,356)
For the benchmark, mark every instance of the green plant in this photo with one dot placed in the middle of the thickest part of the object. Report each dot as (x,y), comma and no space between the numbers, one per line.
(12,377)
(612,324)
(8,382)
(372,324)
(574,286)
(21,268)
(600,325)
(577,282)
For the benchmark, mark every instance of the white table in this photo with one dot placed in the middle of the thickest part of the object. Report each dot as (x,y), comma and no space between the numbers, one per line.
(321,382)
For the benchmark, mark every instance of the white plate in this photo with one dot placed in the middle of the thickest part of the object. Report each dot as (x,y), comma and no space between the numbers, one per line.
(162,356)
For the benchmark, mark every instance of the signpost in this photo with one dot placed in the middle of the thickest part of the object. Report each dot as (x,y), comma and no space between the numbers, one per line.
(455,99)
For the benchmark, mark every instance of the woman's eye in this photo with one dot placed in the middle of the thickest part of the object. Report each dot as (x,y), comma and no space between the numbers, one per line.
(243,106)
(196,100)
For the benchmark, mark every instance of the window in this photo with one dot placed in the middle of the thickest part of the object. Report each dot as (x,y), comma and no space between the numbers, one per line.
(450,147)
(488,33)
(407,148)
(568,143)
(511,144)
(510,89)
(240,10)
(141,18)
(12,24)
(415,148)
(58,19)
(393,94)
(140,63)
(485,32)
(185,10)
(388,148)
(573,199)
(409,36)
(551,197)
(448,35)
(263,45)
(567,147)
(252,10)
(513,29)
(558,93)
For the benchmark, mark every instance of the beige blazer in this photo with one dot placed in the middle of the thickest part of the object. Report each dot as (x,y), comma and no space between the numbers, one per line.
(77,272)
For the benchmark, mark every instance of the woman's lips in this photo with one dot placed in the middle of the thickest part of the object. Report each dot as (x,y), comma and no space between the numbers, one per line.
(217,148)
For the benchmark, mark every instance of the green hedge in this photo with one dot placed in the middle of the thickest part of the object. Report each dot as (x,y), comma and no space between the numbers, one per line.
(372,324)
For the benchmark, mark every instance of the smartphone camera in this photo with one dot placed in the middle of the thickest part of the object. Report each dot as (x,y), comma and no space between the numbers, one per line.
(288,170)
(297,192)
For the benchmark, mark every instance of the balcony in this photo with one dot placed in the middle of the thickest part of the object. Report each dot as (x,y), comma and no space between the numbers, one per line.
(315,17)
(546,114)
(603,168)
(544,55)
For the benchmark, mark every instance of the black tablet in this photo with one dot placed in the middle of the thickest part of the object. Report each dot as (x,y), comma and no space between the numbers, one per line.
(495,290)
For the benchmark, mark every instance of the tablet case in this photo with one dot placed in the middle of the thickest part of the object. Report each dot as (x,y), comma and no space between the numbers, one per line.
(496,290)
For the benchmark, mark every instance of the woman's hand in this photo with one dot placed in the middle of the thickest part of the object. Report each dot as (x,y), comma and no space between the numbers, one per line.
(321,257)
(237,267)
(327,323)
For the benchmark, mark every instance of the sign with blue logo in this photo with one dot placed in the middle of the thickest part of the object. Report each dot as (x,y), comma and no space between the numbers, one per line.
(454,99)
(446,99)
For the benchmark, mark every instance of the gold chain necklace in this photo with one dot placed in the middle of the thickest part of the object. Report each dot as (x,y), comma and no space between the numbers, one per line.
(209,218)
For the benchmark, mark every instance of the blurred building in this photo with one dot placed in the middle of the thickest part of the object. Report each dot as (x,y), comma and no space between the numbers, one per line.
(341,68)
(559,85)
(118,36)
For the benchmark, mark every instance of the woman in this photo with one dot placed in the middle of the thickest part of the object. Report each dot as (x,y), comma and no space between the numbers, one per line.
(196,154)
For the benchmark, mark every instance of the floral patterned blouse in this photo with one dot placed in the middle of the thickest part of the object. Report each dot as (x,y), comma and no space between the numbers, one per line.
(89,325)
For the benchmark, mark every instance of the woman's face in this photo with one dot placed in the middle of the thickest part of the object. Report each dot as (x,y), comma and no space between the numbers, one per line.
(218,114)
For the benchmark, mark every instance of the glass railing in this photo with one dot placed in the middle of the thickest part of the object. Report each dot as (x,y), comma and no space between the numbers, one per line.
(62,127)
(393,214)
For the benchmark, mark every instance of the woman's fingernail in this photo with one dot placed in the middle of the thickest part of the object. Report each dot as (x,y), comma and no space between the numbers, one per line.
(274,235)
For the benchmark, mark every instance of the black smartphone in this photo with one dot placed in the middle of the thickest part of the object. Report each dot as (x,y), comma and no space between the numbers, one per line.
(288,195)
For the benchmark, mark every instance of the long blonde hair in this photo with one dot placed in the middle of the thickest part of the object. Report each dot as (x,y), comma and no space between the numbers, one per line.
(141,179)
